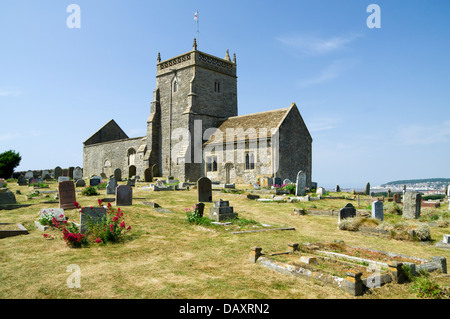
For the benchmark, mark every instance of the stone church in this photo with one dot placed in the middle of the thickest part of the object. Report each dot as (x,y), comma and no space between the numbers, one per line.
(194,130)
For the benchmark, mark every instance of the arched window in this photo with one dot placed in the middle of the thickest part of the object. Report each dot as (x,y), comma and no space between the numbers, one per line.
(131,156)
(249,161)
(175,86)
(217,87)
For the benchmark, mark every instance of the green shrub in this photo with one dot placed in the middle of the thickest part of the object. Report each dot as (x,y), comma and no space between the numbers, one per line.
(424,287)
(89,191)
(193,217)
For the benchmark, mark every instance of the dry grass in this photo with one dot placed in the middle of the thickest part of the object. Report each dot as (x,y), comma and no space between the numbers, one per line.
(167,258)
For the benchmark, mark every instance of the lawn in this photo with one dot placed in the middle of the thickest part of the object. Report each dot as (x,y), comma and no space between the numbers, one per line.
(165,257)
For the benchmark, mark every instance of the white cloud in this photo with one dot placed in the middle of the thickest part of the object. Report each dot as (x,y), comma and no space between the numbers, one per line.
(421,134)
(10,92)
(310,45)
(322,124)
(331,72)
(9,136)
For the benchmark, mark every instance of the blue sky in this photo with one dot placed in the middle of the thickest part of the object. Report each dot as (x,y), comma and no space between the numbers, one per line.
(376,101)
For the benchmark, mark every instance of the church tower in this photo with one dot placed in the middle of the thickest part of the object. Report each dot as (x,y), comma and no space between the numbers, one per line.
(194,91)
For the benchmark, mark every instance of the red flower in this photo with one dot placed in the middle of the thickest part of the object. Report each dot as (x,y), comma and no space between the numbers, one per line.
(98,240)
(109,205)
(122,225)
(99,202)
(115,219)
(76,204)
(129,227)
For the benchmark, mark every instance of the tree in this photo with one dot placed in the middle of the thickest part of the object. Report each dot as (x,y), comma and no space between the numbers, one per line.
(9,160)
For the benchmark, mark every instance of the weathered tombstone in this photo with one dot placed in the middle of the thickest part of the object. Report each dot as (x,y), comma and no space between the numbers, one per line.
(256,186)
(95,180)
(91,215)
(313,185)
(111,187)
(300,185)
(22,180)
(204,189)
(397,198)
(264,182)
(200,209)
(7,197)
(377,210)
(77,173)
(348,211)
(44,172)
(29,174)
(118,175)
(148,175)
(66,195)
(277,181)
(367,192)
(63,179)
(57,172)
(337,189)
(287,181)
(222,210)
(124,195)
(47,177)
(411,205)
(80,183)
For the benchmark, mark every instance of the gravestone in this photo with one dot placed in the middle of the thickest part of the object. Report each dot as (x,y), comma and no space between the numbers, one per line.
(287,181)
(57,172)
(103,176)
(277,181)
(71,172)
(44,172)
(63,179)
(313,185)
(111,187)
(377,210)
(256,186)
(91,215)
(204,189)
(397,198)
(80,183)
(148,175)
(47,177)
(200,209)
(95,180)
(57,213)
(131,182)
(264,182)
(222,210)
(337,189)
(21,180)
(124,195)
(321,191)
(348,211)
(300,184)
(367,192)
(118,175)
(411,205)
(7,197)
(66,195)
(77,173)
(29,174)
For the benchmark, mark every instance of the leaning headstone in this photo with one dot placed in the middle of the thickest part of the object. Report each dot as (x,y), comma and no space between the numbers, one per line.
(367,192)
(204,189)
(124,195)
(66,195)
(411,205)
(7,197)
(111,187)
(95,180)
(348,211)
(91,215)
(300,184)
(337,189)
(200,209)
(377,210)
(118,175)
(77,173)
(57,172)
